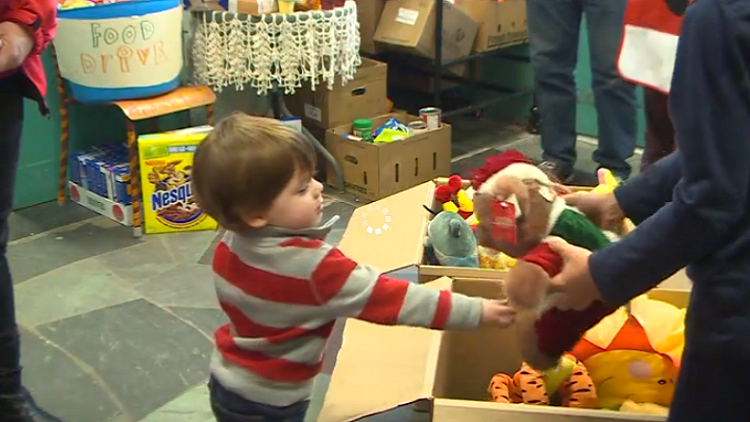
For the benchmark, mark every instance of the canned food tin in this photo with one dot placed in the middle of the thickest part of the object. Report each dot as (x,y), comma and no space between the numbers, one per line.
(417,126)
(431,116)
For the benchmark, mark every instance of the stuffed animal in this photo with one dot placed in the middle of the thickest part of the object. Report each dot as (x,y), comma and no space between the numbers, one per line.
(607,184)
(634,354)
(518,206)
(454,198)
(451,241)
(569,383)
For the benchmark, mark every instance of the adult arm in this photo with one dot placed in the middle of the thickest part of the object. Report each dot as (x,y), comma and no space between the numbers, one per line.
(644,195)
(710,107)
(26,27)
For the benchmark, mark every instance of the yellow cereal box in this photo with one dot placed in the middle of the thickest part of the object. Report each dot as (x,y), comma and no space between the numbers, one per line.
(166,161)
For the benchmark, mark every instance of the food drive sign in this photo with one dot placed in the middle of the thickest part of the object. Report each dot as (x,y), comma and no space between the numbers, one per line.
(138,51)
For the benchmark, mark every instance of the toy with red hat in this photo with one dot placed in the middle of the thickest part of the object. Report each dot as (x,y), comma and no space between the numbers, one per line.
(518,206)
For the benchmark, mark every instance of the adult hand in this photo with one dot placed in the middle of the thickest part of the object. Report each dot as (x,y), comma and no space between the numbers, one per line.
(574,286)
(601,208)
(16,42)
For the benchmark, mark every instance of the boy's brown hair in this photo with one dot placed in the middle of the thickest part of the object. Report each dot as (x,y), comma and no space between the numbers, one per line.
(244,164)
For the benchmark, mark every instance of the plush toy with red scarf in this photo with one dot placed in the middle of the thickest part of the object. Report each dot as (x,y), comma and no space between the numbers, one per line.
(518,206)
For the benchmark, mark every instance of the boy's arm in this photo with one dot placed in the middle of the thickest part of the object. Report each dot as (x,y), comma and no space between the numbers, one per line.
(360,291)
(710,106)
(644,195)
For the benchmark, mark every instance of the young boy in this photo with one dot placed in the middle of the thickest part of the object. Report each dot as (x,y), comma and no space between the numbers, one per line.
(281,285)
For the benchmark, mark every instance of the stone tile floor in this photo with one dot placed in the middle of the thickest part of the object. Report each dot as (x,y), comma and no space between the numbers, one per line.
(117,329)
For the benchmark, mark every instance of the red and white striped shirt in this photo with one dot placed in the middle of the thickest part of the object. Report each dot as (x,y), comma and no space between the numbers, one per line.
(282,292)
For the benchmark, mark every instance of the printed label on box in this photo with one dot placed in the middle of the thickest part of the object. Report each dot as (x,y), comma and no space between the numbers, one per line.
(313,112)
(407,16)
(166,167)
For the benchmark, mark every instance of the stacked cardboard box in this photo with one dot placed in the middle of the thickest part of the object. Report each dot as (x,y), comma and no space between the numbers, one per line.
(469,26)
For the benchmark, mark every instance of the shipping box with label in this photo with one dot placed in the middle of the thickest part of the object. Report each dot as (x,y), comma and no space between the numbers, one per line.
(363,97)
(254,7)
(379,368)
(409,25)
(368,15)
(374,171)
(501,23)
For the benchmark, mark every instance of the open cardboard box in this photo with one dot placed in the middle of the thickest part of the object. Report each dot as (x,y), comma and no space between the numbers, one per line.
(379,368)
(400,223)
(389,234)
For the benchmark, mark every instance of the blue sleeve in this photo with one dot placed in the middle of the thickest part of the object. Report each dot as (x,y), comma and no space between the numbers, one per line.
(642,196)
(710,109)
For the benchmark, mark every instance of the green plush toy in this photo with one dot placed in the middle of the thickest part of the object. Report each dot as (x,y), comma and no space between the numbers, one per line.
(451,241)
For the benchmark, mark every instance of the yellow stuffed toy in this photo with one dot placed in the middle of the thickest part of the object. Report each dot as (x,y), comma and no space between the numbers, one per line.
(607,184)
(634,354)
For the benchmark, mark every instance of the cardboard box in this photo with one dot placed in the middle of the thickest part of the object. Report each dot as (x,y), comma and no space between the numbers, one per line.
(166,162)
(401,244)
(501,23)
(120,213)
(368,15)
(363,97)
(375,171)
(379,368)
(409,25)
(256,7)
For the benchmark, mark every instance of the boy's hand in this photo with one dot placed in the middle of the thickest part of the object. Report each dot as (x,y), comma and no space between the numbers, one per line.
(498,313)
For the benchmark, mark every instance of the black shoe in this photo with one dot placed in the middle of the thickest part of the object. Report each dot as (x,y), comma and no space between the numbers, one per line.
(33,412)
(581,178)
(23,408)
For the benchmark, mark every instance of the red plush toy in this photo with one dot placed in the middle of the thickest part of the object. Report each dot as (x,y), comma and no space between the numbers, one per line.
(518,206)
(454,198)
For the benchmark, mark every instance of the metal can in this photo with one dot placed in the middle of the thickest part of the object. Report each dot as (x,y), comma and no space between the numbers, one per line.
(417,126)
(431,116)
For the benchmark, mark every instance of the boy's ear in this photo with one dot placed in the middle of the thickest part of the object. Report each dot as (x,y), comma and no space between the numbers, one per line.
(256,222)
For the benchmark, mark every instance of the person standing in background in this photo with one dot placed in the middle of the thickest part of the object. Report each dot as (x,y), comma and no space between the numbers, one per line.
(659,130)
(649,46)
(26,27)
(554,29)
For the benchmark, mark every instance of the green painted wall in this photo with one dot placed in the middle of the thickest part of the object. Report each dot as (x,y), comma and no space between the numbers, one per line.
(518,76)
(89,125)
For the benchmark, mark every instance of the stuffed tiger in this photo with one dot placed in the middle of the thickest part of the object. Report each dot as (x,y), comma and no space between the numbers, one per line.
(566,385)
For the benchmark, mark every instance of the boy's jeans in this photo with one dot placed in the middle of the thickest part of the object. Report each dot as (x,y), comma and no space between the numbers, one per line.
(230,407)
(554,27)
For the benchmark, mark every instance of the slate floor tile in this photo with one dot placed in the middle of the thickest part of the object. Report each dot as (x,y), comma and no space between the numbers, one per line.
(187,285)
(45,217)
(192,406)
(37,255)
(75,289)
(147,259)
(206,320)
(61,386)
(146,356)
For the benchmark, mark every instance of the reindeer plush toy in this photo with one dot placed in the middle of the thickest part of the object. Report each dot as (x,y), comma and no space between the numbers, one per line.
(518,206)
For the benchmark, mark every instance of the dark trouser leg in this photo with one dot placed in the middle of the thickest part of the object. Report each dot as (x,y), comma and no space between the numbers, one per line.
(659,129)
(16,405)
(615,99)
(712,387)
(11,121)
(554,26)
